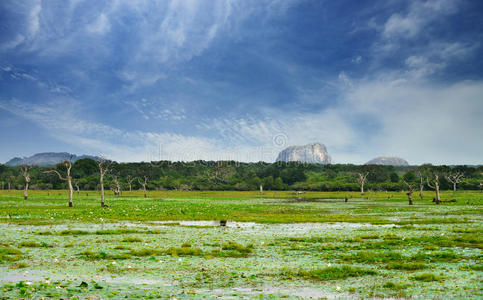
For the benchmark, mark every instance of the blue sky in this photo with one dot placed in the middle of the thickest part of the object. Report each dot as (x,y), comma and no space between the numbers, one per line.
(141,80)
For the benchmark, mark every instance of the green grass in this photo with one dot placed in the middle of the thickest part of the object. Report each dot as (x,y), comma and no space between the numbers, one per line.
(104,232)
(89,255)
(330,273)
(31,244)
(132,240)
(373,257)
(273,207)
(394,286)
(9,254)
(406,266)
(426,277)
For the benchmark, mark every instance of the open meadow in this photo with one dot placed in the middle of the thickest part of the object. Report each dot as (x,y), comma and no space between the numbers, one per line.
(279,244)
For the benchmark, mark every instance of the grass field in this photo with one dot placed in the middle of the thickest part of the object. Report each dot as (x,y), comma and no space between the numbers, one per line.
(278,244)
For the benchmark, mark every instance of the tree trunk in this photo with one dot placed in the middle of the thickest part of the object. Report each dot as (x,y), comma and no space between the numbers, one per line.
(71,191)
(362,188)
(261,189)
(410,198)
(25,191)
(437,194)
(9,186)
(421,187)
(102,190)
(144,188)
(454,187)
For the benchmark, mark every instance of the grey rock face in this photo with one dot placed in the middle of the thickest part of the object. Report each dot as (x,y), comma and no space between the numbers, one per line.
(388,161)
(46,159)
(311,153)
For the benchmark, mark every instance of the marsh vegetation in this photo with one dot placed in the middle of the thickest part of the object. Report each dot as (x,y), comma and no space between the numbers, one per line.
(171,245)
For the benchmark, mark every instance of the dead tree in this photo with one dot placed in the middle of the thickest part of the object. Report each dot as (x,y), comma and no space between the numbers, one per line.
(77,187)
(455,179)
(434,184)
(68,178)
(129,182)
(117,187)
(410,191)
(218,173)
(144,183)
(25,174)
(103,169)
(421,184)
(361,179)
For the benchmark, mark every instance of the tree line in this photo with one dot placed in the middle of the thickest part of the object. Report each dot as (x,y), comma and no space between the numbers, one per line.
(86,174)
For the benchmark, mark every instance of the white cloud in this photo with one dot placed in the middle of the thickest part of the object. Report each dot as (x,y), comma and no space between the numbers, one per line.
(420,67)
(397,25)
(422,123)
(18,40)
(100,26)
(33,19)
(420,13)
(419,122)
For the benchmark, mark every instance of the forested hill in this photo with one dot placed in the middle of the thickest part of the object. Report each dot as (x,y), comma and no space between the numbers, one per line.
(230,175)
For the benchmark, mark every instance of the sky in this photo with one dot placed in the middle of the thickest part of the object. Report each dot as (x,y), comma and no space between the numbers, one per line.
(138,80)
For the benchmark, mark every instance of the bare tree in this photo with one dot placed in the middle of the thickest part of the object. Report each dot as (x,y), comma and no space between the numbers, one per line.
(103,169)
(455,178)
(410,191)
(129,182)
(434,184)
(117,187)
(25,174)
(421,183)
(361,179)
(143,183)
(218,173)
(68,178)
(76,183)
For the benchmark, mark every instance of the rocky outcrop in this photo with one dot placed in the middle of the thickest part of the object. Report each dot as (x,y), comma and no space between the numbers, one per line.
(315,153)
(388,161)
(46,159)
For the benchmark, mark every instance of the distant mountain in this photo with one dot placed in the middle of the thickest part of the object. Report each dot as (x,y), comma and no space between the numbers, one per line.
(46,159)
(388,161)
(311,153)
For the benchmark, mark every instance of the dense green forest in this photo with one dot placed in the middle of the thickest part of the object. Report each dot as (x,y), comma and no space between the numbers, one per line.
(231,175)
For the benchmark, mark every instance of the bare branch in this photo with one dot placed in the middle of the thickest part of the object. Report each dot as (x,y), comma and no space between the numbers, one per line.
(56,172)
(409,185)
(455,178)
(145,181)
